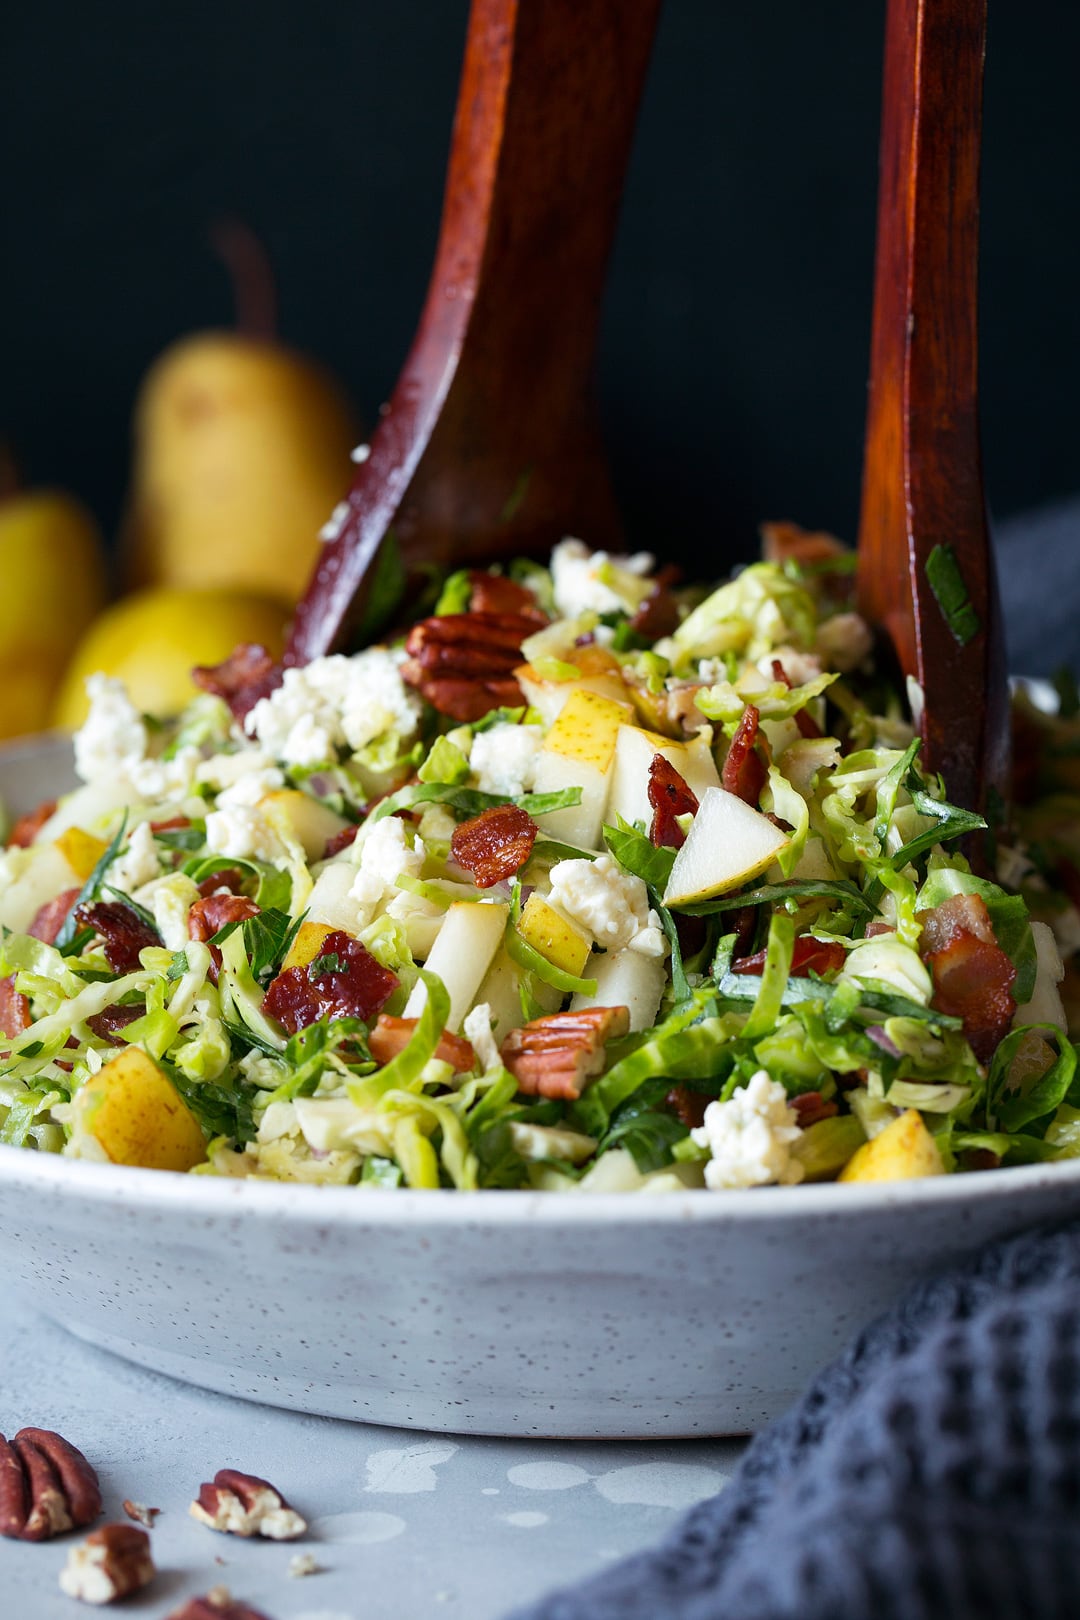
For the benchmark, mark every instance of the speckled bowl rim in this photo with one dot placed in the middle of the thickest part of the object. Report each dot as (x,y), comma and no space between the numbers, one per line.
(227,1197)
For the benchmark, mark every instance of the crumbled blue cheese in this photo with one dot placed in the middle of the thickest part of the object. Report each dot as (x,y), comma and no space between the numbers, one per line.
(156,780)
(243,770)
(139,863)
(503,759)
(241,832)
(749,1137)
(335,703)
(383,855)
(113,736)
(608,903)
(587,581)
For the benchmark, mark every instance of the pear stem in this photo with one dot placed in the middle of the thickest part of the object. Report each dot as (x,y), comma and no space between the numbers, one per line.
(248,267)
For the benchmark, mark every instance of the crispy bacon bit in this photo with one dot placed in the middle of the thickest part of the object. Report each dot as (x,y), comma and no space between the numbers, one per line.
(495,844)
(27,827)
(108,1024)
(339,841)
(658,615)
(14,1008)
(973,977)
(744,770)
(391,1035)
(810,1107)
(688,1106)
(463,663)
(554,1056)
(122,932)
(214,911)
(248,674)
(670,796)
(808,726)
(230,879)
(51,917)
(360,989)
(494,593)
(810,955)
(174,824)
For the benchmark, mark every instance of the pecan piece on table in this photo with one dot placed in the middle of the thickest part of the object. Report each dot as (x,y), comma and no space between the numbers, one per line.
(111,1563)
(463,663)
(554,1056)
(495,844)
(244,1505)
(140,1513)
(218,1604)
(46,1486)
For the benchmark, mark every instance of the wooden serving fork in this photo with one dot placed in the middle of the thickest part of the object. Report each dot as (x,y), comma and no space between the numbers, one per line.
(489,446)
(925,567)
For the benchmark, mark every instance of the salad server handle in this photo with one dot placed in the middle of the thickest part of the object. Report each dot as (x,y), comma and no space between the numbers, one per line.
(925,566)
(489,445)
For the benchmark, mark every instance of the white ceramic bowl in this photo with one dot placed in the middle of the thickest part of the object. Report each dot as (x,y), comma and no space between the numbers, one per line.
(498,1313)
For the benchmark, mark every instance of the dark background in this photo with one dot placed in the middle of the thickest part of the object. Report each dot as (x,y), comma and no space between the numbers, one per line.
(735,340)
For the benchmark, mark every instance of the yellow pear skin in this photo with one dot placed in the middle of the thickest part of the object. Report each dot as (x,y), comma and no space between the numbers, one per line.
(53,572)
(241,454)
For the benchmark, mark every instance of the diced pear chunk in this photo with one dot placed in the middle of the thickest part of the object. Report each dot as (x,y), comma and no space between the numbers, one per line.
(635,750)
(579,751)
(627,979)
(461,955)
(558,940)
(597,671)
(587,729)
(307,944)
(40,874)
(81,850)
(135,1114)
(728,844)
(903,1151)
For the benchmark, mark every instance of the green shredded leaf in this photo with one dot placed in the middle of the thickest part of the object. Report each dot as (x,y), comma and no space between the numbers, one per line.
(951,594)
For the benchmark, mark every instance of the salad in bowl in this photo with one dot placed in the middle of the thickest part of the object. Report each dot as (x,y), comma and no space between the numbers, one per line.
(585,882)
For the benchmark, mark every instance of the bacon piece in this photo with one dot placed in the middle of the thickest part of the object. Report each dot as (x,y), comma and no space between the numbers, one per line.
(973,977)
(463,663)
(810,955)
(670,796)
(495,844)
(360,990)
(811,1107)
(339,841)
(173,824)
(494,593)
(808,726)
(230,878)
(14,1008)
(688,1106)
(744,770)
(27,827)
(658,615)
(122,932)
(391,1035)
(554,1056)
(51,917)
(214,911)
(248,674)
(108,1023)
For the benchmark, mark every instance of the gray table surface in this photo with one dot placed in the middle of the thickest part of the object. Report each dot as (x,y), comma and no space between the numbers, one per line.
(404,1525)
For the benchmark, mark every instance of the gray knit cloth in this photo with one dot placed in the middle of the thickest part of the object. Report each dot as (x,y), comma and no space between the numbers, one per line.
(931,1473)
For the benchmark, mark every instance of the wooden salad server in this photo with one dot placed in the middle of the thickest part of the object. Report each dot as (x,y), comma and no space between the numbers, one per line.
(925,567)
(489,446)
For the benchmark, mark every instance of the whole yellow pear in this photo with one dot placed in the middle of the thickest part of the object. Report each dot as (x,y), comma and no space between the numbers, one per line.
(241,454)
(152,639)
(52,572)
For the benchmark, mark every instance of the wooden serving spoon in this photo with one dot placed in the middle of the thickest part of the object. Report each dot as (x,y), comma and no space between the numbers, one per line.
(489,446)
(925,569)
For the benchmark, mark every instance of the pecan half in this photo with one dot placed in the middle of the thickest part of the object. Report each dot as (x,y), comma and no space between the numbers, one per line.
(495,844)
(554,1056)
(494,593)
(109,1564)
(463,663)
(46,1486)
(244,1505)
(218,1604)
(392,1035)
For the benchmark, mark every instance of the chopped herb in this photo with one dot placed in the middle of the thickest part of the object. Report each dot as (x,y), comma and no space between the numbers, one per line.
(951,594)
